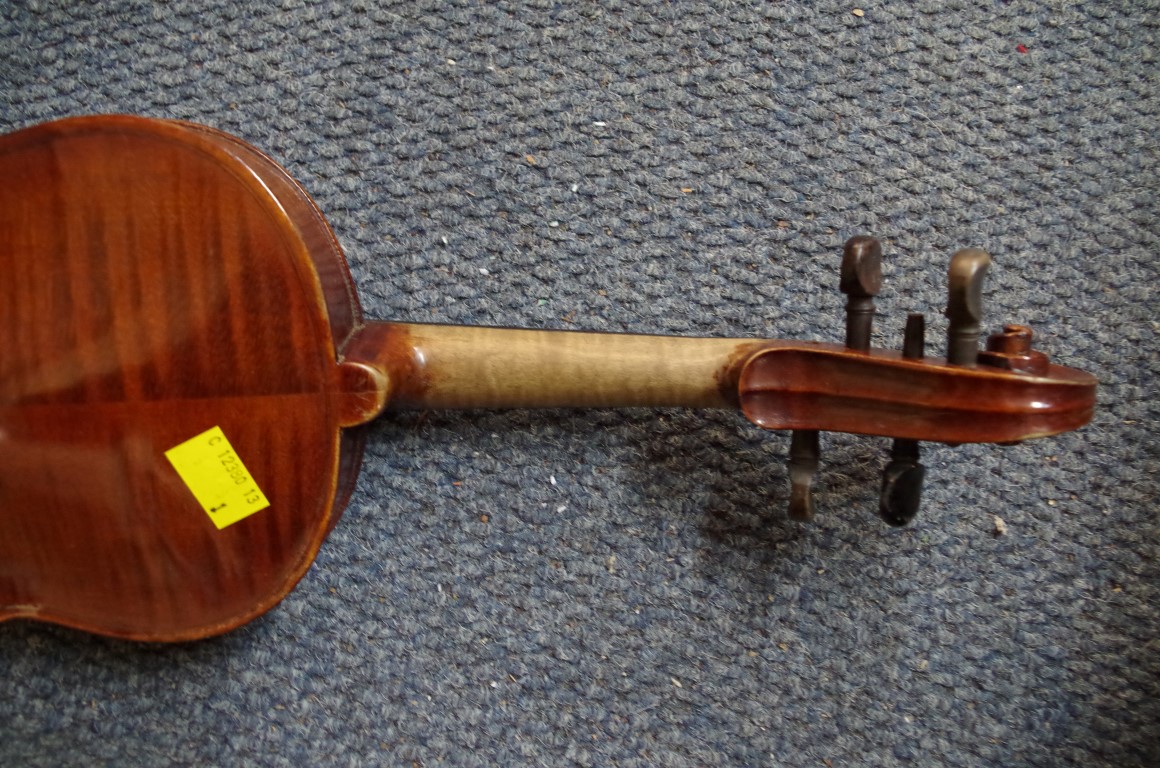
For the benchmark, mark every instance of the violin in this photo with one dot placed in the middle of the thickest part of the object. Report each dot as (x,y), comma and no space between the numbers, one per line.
(184,367)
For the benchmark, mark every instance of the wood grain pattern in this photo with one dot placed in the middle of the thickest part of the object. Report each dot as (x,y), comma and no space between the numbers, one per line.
(446,366)
(827,387)
(154,287)
(158,279)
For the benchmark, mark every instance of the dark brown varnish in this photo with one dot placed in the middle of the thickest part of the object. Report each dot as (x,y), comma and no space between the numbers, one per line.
(159,278)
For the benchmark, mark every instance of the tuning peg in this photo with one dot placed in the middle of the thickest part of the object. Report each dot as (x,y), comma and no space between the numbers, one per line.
(902,479)
(914,337)
(803,465)
(965,305)
(861,280)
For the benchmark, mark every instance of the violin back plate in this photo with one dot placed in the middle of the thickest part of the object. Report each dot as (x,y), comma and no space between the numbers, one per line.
(159,280)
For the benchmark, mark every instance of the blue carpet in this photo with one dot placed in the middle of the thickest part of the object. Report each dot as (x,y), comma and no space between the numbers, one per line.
(635,596)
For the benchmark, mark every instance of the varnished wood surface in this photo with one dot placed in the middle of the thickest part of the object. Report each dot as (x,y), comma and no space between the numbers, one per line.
(827,387)
(778,384)
(152,287)
(158,279)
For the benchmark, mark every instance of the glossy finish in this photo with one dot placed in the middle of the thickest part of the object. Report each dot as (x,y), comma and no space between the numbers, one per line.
(823,386)
(158,279)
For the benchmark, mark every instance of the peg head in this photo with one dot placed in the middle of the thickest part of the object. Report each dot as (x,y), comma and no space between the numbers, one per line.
(803,466)
(901,493)
(965,278)
(861,280)
(861,275)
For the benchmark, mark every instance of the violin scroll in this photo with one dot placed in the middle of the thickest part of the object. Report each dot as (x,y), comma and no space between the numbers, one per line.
(1004,394)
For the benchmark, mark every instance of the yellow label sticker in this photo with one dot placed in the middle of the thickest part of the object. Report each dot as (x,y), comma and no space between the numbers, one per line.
(219,481)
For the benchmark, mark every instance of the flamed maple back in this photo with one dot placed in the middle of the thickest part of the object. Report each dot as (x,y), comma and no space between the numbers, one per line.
(161,279)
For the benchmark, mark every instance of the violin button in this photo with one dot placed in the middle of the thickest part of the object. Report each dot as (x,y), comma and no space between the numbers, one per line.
(1012,350)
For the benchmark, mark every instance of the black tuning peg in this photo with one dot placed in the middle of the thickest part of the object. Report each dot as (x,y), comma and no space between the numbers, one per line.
(965,305)
(902,479)
(860,280)
(902,484)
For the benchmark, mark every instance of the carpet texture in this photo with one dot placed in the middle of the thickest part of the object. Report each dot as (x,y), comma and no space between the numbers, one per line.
(604,588)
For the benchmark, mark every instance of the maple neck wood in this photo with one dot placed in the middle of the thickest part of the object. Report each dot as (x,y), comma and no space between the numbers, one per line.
(428,366)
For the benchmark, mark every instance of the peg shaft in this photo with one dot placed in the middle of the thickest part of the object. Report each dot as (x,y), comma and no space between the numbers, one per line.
(914,337)
(901,493)
(803,465)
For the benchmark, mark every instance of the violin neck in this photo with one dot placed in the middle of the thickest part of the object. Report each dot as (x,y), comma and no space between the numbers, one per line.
(445,366)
